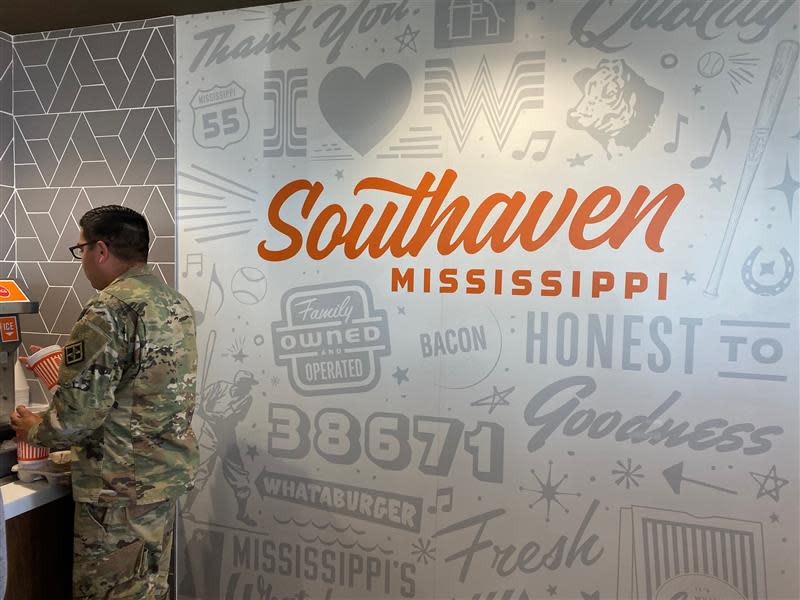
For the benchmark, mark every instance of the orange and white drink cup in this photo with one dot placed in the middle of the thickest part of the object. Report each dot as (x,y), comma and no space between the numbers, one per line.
(45,364)
(28,453)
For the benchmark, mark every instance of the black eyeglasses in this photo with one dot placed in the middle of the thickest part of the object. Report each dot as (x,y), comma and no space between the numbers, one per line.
(77,249)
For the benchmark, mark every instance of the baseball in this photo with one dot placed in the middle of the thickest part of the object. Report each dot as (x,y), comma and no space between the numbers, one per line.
(249,285)
(710,64)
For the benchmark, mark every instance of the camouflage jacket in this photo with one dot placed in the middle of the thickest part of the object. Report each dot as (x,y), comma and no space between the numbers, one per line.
(126,394)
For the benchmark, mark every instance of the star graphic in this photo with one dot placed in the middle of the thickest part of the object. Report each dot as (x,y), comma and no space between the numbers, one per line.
(774,518)
(696,89)
(339,174)
(768,268)
(593,596)
(239,356)
(281,13)
(717,183)
(423,550)
(548,491)
(788,186)
(401,310)
(401,375)
(495,399)
(552,589)
(252,451)
(762,480)
(627,474)
(688,277)
(407,39)
(579,160)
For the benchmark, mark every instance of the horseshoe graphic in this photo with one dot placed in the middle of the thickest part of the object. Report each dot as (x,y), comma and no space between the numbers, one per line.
(754,286)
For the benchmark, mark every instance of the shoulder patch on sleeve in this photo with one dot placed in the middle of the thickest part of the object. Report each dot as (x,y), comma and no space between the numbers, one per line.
(73,353)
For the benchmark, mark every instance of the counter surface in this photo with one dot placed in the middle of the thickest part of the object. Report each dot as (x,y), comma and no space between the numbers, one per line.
(21,497)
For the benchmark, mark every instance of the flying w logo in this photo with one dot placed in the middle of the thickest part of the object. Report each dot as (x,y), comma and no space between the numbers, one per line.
(444,95)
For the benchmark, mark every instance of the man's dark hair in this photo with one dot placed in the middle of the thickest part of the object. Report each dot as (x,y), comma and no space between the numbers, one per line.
(123,229)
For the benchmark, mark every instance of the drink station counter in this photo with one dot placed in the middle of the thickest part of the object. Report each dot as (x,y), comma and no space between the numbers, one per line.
(35,517)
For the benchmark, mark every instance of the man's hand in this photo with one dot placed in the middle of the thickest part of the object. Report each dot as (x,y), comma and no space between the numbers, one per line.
(24,359)
(22,420)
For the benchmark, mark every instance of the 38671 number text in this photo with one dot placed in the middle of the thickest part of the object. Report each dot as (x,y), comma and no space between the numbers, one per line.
(388,440)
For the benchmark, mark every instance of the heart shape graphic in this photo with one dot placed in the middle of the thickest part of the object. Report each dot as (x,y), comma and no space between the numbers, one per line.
(363,110)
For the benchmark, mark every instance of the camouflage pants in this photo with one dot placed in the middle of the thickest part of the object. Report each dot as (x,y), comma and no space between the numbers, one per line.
(122,552)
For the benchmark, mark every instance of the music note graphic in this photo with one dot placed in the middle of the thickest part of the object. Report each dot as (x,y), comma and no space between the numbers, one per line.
(447,505)
(702,161)
(193,259)
(540,154)
(200,315)
(673,146)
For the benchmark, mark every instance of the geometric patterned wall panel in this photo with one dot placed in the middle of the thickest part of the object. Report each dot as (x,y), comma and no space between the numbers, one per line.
(127,65)
(7,230)
(6,159)
(5,74)
(94,124)
(109,148)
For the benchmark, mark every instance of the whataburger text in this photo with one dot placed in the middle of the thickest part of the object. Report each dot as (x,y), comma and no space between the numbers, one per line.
(460,224)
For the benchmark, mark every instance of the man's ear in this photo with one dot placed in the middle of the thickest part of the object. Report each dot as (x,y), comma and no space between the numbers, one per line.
(104,252)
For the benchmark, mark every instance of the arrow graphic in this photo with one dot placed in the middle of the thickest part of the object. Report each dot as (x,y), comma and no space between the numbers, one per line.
(674,477)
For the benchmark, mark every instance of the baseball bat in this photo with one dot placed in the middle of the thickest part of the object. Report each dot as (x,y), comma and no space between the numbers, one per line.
(209,354)
(777,81)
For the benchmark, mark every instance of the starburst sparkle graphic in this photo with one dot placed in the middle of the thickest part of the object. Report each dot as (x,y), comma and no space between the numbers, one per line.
(237,350)
(548,491)
(628,474)
(423,551)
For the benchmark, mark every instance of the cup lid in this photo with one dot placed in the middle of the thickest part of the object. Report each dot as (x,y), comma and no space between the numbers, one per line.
(46,351)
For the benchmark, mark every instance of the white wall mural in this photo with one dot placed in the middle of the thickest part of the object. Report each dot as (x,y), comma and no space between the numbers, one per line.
(497,299)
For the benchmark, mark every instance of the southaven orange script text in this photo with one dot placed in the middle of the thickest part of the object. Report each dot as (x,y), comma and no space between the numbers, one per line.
(422,215)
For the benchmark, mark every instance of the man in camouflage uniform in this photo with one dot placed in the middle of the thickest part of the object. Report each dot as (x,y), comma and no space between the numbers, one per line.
(223,406)
(124,402)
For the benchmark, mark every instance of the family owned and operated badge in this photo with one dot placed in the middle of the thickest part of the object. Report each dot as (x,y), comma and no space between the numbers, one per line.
(220,118)
(331,338)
